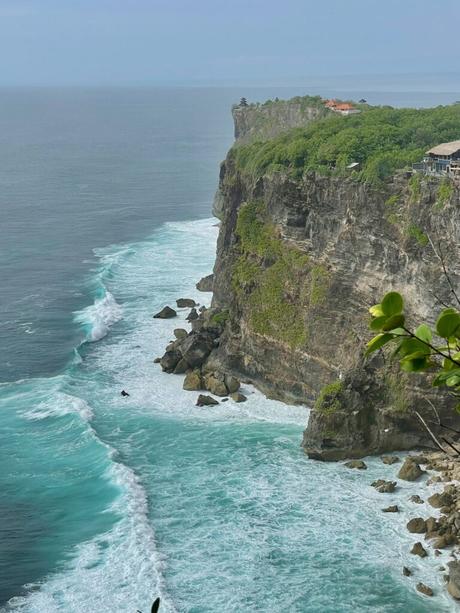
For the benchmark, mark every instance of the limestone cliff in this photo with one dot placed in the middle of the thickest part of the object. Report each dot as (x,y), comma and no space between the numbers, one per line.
(299,261)
(263,121)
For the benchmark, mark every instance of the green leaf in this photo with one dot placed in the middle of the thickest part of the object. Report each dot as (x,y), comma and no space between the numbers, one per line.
(378,322)
(415,365)
(395,321)
(453,381)
(411,345)
(392,304)
(423,332)
(376,310)
(448,323)
(377,342)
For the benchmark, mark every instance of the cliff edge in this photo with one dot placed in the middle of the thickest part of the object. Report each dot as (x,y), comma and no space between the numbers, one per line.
(301,256)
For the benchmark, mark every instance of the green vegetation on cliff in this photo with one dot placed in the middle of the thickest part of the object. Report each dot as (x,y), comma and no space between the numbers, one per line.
(269,278)
(381,139)
(328,400)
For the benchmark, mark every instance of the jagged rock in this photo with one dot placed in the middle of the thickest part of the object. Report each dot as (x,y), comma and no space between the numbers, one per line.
(193,315)
(170,360)
(165,313)
(193,381)
(419,550)
(238,397)
(424,589)
(406,571)
(359,464)
(440,500)
(434,479)
(185,303)
(196,348)
(410,470)
(181,367)
(416,498)
(215,385)
(180,333)
(416,525)
(232,383)
(384,487)
(205,284)
(391,509)
(390,459)
(419,459)
(453,587)
(225,400)
(431,524)
(441,543)
(205,401)
(157,360)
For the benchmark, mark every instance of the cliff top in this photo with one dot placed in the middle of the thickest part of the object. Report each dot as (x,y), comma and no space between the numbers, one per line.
(301,135)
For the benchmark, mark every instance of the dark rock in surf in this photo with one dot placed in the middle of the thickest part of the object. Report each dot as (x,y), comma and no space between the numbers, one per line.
(205,284)
(165,313)
(205,401)
(185,303)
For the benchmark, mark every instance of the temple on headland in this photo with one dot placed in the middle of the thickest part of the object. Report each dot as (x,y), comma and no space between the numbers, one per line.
(444,159)
(344,108)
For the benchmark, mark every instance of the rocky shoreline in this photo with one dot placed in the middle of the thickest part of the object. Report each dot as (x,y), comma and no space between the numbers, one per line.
(188,354)
(191,354)
(441,530)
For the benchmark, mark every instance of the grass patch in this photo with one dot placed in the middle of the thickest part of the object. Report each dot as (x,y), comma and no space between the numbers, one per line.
(274,281)
(445,192)
(419,235)
(329,399)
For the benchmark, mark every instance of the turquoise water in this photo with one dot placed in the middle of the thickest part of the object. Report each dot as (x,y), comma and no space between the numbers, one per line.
(107,502)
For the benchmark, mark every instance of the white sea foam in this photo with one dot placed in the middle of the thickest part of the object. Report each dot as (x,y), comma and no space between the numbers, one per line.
(322,517)
(98,317)
(59,404)
(118,571)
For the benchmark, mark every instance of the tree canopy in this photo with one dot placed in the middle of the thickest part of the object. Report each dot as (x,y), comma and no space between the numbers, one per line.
(381,139)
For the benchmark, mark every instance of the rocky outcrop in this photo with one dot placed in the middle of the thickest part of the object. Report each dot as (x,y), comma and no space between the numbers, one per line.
(264,121)
(299,261)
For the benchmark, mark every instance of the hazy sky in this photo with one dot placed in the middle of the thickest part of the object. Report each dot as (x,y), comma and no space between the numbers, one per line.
(181,41)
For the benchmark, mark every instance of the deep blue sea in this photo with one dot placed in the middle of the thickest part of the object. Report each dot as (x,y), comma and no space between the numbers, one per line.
(107,502)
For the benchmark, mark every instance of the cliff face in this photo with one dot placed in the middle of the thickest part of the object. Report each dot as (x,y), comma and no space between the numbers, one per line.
(270,119)
(299,261)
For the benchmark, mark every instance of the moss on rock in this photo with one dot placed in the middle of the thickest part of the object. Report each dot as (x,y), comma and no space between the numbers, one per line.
(329,399)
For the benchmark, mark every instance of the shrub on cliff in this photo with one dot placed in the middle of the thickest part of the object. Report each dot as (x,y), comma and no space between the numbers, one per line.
(421,349)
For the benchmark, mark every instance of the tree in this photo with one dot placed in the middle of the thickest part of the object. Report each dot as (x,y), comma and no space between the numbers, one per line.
(243,102)
(422,349)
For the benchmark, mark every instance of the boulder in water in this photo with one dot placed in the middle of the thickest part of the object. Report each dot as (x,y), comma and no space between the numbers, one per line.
(419,550)
(185,303)
(359,464)
(424,589)
(390,459)
(416,525)
(391,509)
(165,313)
(206,401)
(238,397)
(410,470)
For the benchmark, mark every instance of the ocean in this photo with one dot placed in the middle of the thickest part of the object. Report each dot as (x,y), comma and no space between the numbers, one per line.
(107,501)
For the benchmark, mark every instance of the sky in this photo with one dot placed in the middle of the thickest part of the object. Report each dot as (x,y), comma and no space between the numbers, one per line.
(150,42)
